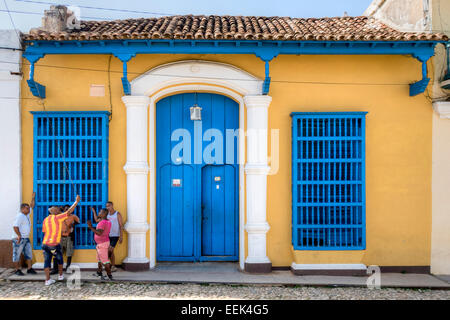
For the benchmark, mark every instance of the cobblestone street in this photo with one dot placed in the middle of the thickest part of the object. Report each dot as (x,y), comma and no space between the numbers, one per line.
(104,291)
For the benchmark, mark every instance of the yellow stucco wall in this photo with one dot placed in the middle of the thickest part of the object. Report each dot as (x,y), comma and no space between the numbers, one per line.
(398,141)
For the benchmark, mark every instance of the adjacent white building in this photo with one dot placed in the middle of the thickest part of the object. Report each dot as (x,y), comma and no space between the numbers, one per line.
(432,16)
(10,139)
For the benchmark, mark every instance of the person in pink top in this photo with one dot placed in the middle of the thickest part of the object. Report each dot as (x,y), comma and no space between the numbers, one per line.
(101,238)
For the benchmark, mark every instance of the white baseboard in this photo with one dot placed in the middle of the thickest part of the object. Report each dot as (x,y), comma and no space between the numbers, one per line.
(347,266)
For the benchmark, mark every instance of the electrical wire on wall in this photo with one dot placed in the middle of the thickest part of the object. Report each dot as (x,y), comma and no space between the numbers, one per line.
(42,103)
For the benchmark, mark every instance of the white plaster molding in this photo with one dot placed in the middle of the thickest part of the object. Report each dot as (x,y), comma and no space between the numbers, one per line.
(258,101)
(136,227)
(137,167)
(198,88)
(196,71)
(136,101)
(330,266)
(260,169)
(257,227)
(442,108)
(200,76)
(256,170)
(135,260)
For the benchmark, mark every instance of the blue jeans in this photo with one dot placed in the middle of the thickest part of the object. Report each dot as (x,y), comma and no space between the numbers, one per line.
(23,246)
(49,252)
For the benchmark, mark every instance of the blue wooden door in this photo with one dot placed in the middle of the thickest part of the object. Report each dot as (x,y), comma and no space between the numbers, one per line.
(218,207)
(197,176)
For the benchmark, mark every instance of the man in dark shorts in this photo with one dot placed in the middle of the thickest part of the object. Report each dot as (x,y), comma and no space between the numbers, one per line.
(52,227)
(68,236)
(55,263)
(116,233)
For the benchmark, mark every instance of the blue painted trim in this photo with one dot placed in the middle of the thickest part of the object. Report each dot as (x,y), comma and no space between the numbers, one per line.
(46,175)
(178,259)
(317,193)
(294,184)
(265,50)
(125,57)
(420,86)
(266,84)
(218,258)
(35,215)
(343,114)
(363,178)
(37,89)
(68,113)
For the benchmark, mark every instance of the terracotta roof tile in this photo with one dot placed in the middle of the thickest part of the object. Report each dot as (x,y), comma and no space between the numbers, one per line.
(236,28)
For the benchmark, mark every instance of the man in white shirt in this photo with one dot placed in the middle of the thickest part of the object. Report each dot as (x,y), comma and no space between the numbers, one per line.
(21,237)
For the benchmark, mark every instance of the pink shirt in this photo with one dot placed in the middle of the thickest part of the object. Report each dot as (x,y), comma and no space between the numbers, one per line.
(105,225)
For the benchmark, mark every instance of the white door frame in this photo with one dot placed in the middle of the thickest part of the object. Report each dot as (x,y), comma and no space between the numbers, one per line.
(152,157)
(199,76)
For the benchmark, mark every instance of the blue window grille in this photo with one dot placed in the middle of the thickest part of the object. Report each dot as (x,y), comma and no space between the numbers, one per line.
(328,181)
(70,157)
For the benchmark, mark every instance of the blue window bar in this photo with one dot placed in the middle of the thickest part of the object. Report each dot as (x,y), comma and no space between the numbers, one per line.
(328,181)
(70,154)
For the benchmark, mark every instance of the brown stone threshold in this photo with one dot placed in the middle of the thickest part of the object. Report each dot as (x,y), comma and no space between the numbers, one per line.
(406,269)
(136,266)
(258,267)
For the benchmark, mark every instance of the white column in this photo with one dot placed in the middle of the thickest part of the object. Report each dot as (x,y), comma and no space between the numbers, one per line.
(136,169)
(256,170)
(440,235)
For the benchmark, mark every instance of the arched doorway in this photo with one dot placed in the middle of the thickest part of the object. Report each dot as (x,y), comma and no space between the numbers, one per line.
(197,178)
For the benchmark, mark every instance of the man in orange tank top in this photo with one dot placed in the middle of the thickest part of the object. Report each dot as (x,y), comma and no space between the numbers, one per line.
(52,227)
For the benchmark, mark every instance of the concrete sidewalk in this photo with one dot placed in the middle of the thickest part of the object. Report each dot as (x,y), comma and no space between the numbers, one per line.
(228,273)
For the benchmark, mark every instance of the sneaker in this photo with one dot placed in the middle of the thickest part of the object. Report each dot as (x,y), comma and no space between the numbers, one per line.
(60,277)
(31,271)
(49,282)
(19,273)
(103,278)
(97,274)
(110,277)
(113,269)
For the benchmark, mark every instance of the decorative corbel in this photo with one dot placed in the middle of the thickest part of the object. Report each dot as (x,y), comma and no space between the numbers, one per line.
(266,84)
(125,57)
(266,55)
(420,86)
(37,89)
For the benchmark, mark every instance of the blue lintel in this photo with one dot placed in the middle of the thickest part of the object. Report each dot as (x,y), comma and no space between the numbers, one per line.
(266,50)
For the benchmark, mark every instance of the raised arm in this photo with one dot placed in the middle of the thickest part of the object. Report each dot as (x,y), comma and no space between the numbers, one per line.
(98,232)
(96,219)
(74,205)
(120,220)
(33,202)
